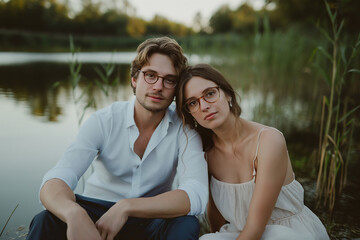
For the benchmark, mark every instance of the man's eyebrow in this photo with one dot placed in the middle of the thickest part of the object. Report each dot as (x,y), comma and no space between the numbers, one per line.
(151,70)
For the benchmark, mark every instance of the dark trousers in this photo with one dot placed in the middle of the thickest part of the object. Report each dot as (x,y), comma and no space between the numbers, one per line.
(46,226)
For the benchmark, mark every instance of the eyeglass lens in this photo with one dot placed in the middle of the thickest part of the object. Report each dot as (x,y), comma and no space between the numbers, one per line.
(210,95)
(152,77)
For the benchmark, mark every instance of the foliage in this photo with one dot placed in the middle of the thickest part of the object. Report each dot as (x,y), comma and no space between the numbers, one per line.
(336,125)
(118,19)
(244,19)
(136,27)
(308,12)
(282,15)
(106,82)
(93,19)
(221,21)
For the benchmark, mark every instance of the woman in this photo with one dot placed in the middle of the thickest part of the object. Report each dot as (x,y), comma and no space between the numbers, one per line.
(254,194)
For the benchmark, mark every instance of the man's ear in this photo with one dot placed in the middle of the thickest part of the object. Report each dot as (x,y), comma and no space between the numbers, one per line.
(133,82)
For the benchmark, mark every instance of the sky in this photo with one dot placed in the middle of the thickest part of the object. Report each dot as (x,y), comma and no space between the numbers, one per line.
(181,11)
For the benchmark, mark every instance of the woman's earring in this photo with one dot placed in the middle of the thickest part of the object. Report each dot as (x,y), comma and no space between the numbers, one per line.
(195,123)
(230,103)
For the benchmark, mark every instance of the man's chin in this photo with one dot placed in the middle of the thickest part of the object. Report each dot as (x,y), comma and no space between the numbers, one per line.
(155,110)
(155,107)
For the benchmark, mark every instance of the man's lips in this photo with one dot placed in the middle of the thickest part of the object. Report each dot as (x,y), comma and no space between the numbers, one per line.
(209,116)
(154,96)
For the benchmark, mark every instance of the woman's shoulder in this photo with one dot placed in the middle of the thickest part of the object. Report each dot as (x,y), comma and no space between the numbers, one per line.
(272,145)
(255,128)
(262,130)
(266,137)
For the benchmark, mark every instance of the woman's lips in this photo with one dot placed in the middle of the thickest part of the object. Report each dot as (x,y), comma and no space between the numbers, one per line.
(210,116)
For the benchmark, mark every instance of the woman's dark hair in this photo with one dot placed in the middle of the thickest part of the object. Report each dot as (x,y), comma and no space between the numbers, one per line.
(207,72)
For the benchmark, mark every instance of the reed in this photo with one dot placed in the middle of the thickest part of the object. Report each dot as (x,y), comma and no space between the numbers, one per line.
(7,221)
(83,97)
(336,125)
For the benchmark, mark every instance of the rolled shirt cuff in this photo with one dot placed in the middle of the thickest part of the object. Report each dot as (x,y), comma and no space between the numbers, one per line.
(198,195)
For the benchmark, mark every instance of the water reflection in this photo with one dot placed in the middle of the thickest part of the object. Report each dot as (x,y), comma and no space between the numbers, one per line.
(19,58)
(34,85)
(15,58)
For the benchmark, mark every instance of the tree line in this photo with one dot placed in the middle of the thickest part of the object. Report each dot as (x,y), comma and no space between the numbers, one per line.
(53,16)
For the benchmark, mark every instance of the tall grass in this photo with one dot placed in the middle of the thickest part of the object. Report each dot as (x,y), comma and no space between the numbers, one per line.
(336,124)
(7,221)
(106,81)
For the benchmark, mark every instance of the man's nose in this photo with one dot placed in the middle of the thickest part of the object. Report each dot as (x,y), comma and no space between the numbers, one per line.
(159,84)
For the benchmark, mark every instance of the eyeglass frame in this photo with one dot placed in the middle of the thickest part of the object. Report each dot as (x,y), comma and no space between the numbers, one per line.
(202,97)
(157,78)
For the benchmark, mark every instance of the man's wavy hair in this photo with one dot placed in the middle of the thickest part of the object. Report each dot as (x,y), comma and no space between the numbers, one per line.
(207,72)
(162,45)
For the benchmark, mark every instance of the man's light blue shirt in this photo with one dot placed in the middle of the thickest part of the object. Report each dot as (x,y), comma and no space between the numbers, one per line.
(109,135)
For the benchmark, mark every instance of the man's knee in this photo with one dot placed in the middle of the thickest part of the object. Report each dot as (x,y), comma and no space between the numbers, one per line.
(184,228)
(45,225)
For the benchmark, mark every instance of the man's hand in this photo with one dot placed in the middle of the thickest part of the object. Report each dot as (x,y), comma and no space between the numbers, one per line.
(81,227)
(113,220)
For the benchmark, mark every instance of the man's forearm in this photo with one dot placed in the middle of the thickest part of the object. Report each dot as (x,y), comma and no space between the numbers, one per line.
(59,199)
(167,205)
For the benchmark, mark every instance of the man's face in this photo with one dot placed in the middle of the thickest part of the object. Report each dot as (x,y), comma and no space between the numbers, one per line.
(155,97)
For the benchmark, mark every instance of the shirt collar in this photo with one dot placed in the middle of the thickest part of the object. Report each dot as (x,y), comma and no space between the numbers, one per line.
(130,113)
(130,121)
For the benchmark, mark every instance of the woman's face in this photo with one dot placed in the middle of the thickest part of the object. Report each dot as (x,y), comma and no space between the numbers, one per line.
(211,113)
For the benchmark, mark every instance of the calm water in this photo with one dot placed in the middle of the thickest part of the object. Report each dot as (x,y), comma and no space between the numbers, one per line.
(39,121)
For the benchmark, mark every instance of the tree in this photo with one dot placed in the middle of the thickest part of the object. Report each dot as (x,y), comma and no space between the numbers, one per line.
(136,27)
(221,21)
(244,19)
(158,25)
(308,12)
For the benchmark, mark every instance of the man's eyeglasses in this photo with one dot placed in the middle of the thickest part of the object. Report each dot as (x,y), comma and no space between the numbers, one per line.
(152,77)
(210,95)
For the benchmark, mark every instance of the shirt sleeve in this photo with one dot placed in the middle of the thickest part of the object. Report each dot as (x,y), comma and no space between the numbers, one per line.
(192,170)
(79,155)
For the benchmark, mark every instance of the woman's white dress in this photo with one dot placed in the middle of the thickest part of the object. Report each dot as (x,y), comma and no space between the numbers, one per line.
(290,219)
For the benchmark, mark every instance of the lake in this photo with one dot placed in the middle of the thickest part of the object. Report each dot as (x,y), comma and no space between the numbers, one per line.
(38,122)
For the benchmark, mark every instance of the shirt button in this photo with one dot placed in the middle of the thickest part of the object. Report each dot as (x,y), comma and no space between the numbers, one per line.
(137,166)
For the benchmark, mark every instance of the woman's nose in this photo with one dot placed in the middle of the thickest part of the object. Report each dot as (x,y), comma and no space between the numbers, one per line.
(203,104)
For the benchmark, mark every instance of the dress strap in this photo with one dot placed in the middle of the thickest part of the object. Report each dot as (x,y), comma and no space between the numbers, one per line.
(257,150)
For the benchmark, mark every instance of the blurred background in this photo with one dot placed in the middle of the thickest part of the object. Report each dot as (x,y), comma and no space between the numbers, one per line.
(293,63)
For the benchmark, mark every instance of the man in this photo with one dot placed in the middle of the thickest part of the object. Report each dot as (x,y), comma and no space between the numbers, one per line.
(140,145)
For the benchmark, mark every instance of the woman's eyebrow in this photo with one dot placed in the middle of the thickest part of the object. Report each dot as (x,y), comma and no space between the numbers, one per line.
(202,93)
(170,75)
(207,89)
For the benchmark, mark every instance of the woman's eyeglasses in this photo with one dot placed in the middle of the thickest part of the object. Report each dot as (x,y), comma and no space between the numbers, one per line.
(209,95)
